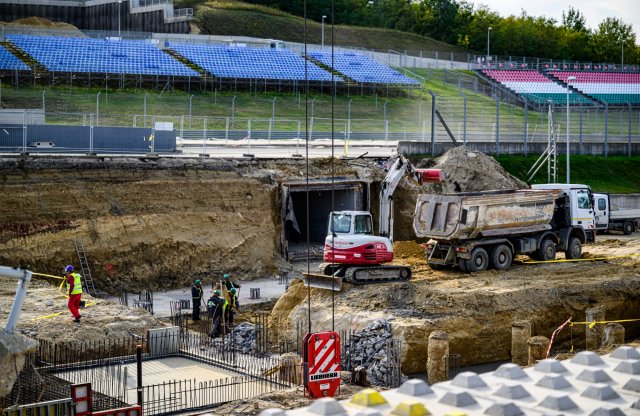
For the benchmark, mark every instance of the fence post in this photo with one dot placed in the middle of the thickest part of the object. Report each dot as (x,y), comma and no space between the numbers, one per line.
(233,111)
(91,135)
(348,136)
(581,148)
(629,137)
(433,122)
(145,110)
(139,373)
(190,102)
(464,117)
(497,126)
(226,130)
(313,114)
(526,127)
(24,131)
(606,129)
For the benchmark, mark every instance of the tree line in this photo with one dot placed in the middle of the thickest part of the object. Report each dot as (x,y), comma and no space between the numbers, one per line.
(459,22)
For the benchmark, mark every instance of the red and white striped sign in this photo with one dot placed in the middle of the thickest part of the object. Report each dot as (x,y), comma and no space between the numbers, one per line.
(321,357)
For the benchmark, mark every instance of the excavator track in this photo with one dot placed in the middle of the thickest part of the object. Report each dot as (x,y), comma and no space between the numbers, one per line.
(377,274)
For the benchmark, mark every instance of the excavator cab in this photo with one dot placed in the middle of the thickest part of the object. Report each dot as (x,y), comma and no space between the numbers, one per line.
(350,222)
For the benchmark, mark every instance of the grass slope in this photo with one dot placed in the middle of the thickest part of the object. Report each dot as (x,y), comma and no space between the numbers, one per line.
(614,174)
(232,18)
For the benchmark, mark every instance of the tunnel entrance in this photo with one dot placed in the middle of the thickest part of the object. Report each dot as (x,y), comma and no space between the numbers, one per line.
(300,218)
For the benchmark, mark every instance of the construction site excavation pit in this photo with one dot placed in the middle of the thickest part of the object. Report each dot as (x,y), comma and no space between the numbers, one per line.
(157,225)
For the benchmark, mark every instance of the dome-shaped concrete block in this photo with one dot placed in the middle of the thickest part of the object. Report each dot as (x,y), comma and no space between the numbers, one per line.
(550,366)
(626,353)
(589,358)
(503,409)
(602,411)
(628,367)
(558,403)
(415,387)
(510,371)
(632,385)
(602,392)
(594,376)
(327,406)
(272,412)
(554,382)
(458,399)
(469,380)
(515,392)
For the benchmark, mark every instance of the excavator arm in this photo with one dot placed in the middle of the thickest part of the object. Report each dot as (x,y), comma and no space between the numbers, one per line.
(401,167)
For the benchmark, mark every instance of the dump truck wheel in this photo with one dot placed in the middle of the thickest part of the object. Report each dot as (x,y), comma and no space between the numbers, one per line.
(574,249)
(627,228)
(501,257)
(479,260)
(547,250)
(463,265)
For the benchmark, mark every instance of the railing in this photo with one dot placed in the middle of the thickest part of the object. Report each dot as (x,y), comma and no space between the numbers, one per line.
(144,3)
(183,12)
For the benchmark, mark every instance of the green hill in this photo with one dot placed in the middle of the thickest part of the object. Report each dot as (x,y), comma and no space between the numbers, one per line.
(233,18)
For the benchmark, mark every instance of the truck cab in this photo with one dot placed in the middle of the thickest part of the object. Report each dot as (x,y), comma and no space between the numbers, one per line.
(610,215)
(601,211)
(581,206)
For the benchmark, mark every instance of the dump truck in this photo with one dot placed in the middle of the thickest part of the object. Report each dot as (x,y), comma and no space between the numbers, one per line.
(617,212)
(476,231)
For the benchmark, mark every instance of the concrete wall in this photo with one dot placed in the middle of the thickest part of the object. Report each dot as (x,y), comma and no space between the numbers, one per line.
(517,148)
(97,15)
(78,139)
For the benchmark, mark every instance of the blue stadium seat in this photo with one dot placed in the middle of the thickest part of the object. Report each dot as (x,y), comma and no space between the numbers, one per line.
(8,61)
(251,63)
(64,54)
(360,68)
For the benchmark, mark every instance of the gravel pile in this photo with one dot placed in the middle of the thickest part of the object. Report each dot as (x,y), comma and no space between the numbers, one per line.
(243,337)
(373,349)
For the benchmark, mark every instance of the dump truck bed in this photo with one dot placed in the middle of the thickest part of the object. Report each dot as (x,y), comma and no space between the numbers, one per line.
(483,214)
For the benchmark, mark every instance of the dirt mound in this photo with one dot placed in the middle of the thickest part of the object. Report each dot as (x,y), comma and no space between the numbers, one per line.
(59,28)
(471,171)
(407,250)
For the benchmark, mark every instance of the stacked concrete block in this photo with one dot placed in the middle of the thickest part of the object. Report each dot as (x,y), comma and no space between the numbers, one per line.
(587,384)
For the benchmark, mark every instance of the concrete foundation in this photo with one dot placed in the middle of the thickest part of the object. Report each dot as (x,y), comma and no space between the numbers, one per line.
(520,334)
(613,334)
(537,350)
(594,335)
(438,351)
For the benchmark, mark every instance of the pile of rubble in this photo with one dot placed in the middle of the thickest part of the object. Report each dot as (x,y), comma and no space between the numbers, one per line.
(373,350)
(242,337)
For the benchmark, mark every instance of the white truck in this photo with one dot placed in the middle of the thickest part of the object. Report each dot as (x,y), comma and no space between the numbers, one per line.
(480,230)
(617,212)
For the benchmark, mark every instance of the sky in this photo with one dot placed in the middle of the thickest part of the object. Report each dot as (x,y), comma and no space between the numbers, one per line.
(594,11)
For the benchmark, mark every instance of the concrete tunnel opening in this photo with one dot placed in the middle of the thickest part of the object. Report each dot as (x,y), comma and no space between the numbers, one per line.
(324,196)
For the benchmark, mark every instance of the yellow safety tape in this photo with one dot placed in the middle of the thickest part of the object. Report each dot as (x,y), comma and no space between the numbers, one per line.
(48,275)
(576,260)
(594,323)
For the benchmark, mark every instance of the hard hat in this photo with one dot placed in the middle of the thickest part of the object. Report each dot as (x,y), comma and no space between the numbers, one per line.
(68,269)
(216,292)
(198,282)
(233,290)
(226,276)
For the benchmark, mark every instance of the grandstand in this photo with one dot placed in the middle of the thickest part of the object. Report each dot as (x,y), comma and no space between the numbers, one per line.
(9,62)
(535,86)
(104,56)
(362,69)
(251,63)
(609,87)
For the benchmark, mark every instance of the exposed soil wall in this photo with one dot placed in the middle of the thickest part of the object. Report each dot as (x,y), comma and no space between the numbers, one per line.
(145,224)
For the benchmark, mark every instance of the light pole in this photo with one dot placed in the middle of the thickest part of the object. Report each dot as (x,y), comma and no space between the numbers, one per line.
(568,125)
(489,29)
(323,17)
(622,58)
(119,7)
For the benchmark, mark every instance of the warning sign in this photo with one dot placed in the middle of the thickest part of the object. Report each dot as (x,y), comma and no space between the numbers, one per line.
(321,361)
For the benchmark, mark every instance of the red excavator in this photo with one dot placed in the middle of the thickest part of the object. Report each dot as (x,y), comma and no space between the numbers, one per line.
(352,252)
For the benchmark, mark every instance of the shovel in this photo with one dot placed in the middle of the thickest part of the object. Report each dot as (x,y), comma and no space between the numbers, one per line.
(322,281)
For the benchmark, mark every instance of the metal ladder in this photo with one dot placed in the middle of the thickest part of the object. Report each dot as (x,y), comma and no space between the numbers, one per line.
(87,279)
